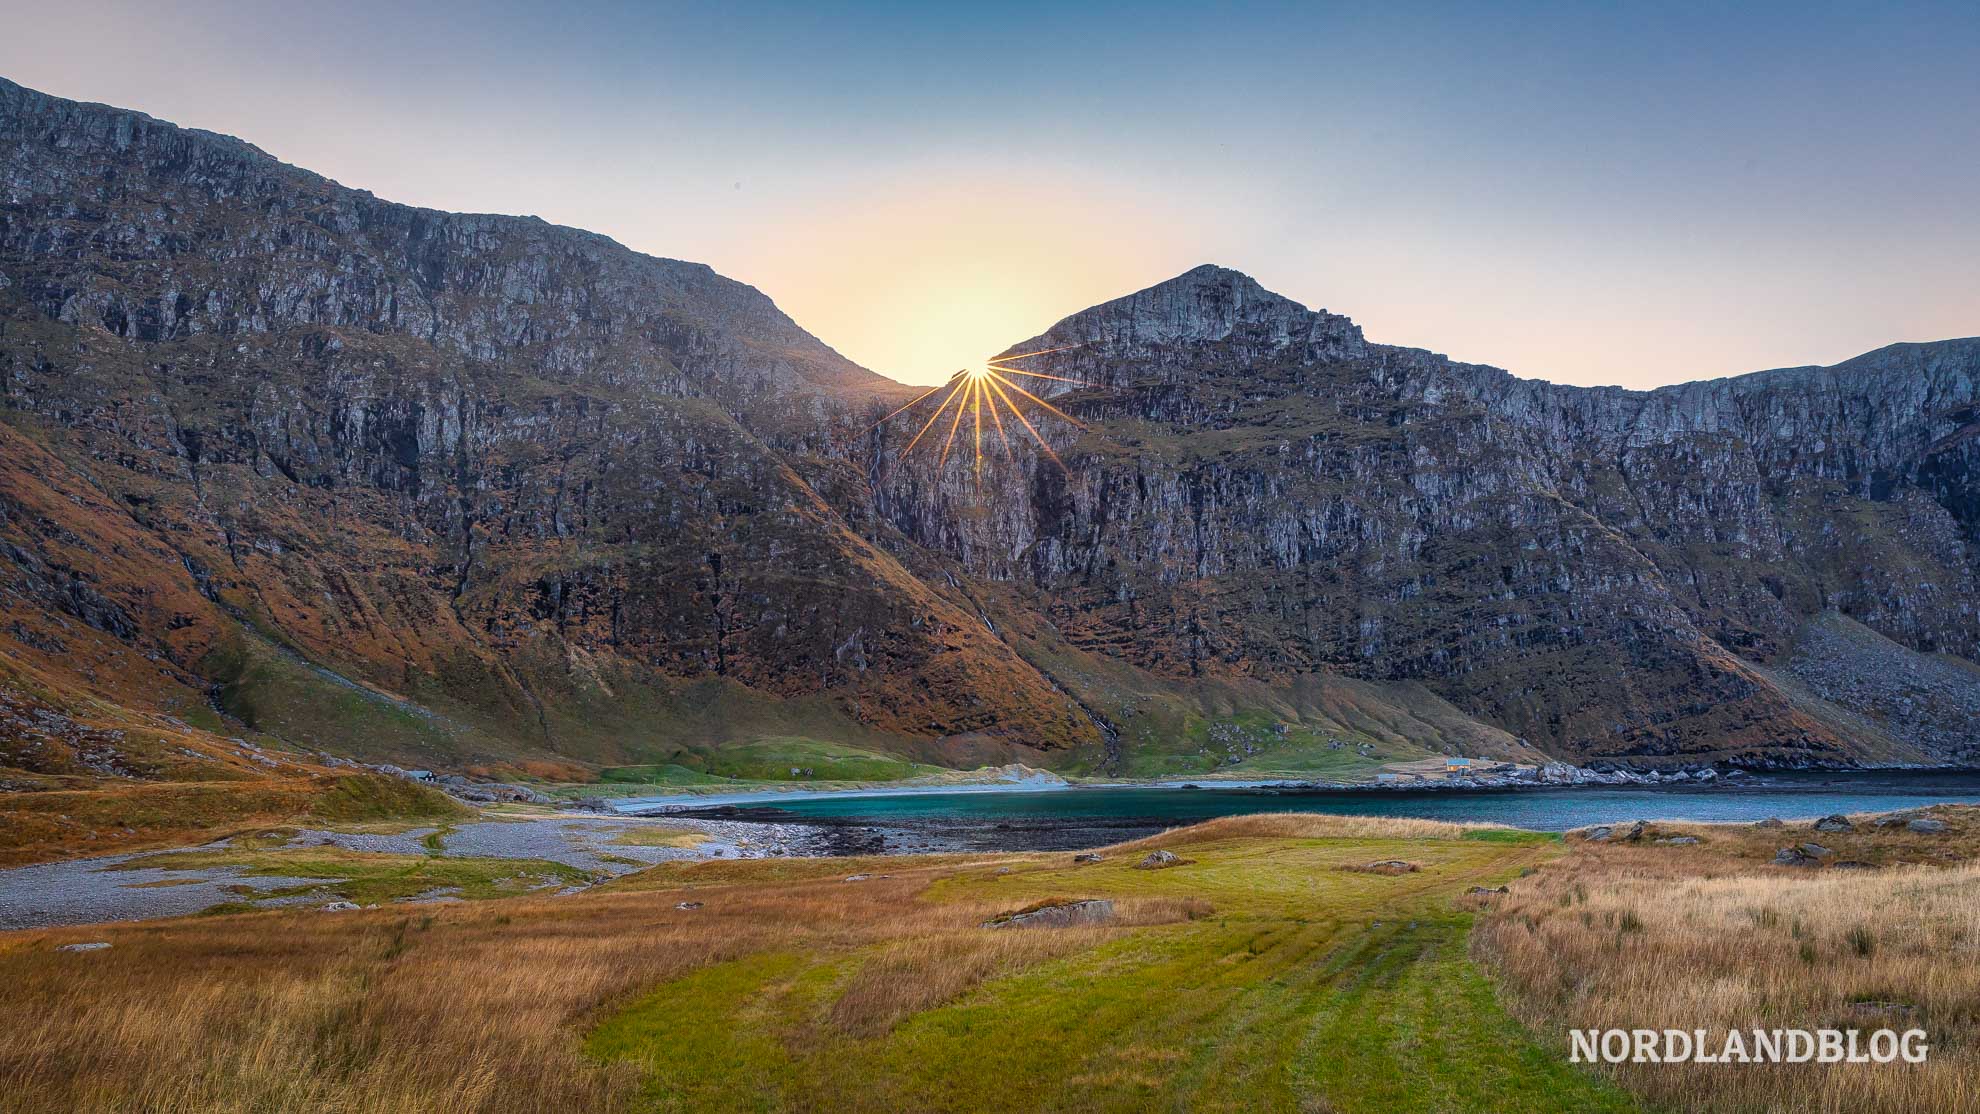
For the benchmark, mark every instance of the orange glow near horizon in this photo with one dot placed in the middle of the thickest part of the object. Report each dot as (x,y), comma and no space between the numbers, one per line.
(917,277)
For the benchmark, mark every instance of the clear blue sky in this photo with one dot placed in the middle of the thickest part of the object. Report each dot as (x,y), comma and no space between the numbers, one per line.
(1587,193)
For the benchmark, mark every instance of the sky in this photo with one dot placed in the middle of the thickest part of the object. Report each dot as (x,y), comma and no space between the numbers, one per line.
(1588,193)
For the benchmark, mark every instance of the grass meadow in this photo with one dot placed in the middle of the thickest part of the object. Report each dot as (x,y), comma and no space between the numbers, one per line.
(1288,964)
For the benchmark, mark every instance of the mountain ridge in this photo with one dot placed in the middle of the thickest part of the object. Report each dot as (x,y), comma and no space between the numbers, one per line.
(589,506)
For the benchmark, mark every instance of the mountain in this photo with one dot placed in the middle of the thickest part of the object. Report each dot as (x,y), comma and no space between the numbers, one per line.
(283,462)
(1263,493)
(440,488)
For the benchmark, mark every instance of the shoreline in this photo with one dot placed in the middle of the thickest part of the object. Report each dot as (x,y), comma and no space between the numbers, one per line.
(1734,780)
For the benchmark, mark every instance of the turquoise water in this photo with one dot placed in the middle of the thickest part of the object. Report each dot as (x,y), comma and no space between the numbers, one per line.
(1785,796)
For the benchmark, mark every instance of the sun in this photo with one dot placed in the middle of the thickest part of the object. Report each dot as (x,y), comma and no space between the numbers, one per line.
(989,387)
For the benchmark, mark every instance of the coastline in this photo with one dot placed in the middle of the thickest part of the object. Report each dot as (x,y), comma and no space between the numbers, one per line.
(1038,781)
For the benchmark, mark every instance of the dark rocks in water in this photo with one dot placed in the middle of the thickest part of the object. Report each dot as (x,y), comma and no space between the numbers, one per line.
(1926,826)
(1088,857)
(1064,914)
(1834,824)
(1157,860)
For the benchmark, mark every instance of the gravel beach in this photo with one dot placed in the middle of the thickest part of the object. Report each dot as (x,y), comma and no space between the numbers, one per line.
(87,891)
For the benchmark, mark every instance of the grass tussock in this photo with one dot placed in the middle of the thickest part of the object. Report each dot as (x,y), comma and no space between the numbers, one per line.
(370,798)
(1648,937)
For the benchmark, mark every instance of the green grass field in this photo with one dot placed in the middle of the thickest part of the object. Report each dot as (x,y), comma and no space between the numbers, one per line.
(1289,983)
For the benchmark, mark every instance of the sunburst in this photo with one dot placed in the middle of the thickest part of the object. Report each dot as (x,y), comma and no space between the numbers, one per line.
(972,391)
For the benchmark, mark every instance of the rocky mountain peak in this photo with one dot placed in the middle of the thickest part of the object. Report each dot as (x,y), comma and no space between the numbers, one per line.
(1204,305)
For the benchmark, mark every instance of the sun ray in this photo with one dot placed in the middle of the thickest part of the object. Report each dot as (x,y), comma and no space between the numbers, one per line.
(972,389)
(932,417)
(950,442)
(1040,375)
(976,416)
(1029,428)
(1040,352)
(1009,454)
(1013,386)
(903,409)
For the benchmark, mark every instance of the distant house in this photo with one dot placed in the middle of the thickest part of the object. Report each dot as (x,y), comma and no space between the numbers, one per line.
(1457,765)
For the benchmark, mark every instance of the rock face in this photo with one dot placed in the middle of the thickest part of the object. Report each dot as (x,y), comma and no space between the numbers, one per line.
(482,485)
(445,489)
(1260,492)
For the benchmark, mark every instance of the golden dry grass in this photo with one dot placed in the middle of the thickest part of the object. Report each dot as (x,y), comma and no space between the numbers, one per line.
(1712,937)
(1310,825)
(464,1008)
(485,1006)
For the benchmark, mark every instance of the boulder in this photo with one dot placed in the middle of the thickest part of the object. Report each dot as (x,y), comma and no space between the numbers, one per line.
(1088,857)
(1854,864)
(1601,834)
(95,946)
(1795,856)
(1769,822)
(1834,824)
(1679,841)
(1386,866)
(1926,826)
(1057,915)
(688,905)
(340,907)
(1156,860)
(1483,890)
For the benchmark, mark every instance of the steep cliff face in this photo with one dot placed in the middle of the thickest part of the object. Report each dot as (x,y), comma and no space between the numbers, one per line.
(532,491)
(277,454)
(1260,492)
